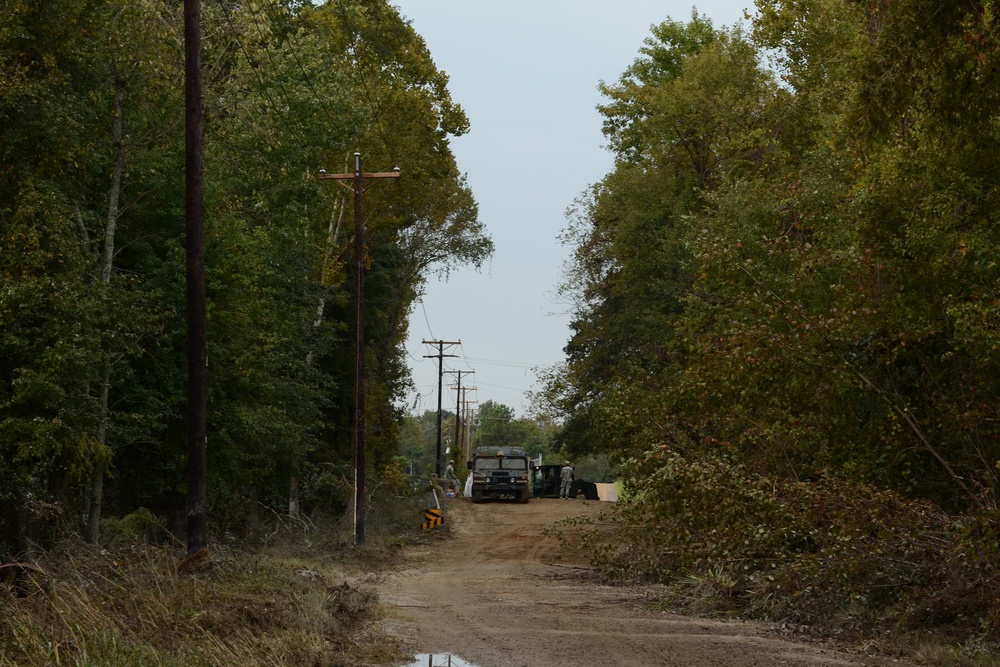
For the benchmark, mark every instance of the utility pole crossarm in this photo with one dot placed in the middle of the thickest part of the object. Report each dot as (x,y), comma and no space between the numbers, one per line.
(366,174)
(355,187)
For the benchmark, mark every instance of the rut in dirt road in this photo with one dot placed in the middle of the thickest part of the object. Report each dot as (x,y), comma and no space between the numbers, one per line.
(500,593)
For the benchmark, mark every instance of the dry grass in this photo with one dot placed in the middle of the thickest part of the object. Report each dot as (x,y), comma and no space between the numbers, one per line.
(288,603)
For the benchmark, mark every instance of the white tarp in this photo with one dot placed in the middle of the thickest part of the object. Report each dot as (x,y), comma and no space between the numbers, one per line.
(607,492)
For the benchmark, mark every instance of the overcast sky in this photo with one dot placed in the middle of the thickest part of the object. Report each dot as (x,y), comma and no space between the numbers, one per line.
(526,73)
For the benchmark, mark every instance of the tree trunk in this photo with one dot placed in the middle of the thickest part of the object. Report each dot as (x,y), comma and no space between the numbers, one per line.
(81,227)
(116,185)
(293,497)
(332,234)
(97,478)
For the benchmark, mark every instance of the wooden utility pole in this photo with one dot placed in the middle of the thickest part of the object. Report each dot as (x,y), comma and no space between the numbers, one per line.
(194,225)
(357,187)
(458,407)
(465,413)
(440,357)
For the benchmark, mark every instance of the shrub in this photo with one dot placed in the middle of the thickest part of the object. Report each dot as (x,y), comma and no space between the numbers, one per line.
(855,558)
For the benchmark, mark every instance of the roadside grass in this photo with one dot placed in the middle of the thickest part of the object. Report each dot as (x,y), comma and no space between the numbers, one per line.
(968,654)
(291,595)
(824,558)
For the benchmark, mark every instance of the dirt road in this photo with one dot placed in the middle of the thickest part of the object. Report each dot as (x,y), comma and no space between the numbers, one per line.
(502,594)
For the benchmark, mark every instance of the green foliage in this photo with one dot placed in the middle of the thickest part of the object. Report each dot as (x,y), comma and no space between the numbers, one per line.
(661,62)
(789,280)
(498,427)
(775,266)
(138,527)
(92,292)
(328,489)
(418,441)
(942,72)
(848,556)
(710,119)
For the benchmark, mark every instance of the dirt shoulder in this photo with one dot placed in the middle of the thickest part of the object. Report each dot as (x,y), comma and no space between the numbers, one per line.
(502,594)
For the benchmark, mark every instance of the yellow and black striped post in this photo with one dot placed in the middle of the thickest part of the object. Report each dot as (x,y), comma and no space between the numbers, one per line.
(432,519)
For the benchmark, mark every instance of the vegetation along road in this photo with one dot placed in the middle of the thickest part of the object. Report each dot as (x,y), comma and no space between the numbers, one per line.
(502,593)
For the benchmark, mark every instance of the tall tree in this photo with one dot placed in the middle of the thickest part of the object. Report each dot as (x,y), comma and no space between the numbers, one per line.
(688,117)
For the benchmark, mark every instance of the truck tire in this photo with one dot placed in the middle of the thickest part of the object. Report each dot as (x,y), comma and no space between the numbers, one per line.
(525,496)
(477,495)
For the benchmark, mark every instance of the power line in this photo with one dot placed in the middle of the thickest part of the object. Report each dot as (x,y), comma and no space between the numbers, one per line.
(415,359)
(426,319)
(466,358)
(502,363)
(499,386)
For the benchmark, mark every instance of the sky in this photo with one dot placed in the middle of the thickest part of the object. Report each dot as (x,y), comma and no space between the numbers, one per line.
(526,73)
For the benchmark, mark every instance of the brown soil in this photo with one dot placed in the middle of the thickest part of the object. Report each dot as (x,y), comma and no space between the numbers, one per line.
(499,593)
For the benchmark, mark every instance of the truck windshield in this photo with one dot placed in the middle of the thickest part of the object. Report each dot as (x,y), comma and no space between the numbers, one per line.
(507,464)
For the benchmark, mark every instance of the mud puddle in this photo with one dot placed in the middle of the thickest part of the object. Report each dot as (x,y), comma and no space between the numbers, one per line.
(438,660)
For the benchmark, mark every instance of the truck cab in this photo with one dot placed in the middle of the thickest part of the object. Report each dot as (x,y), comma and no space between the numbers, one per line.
(501,473)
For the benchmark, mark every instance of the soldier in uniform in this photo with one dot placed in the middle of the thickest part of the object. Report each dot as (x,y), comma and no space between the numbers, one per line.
(566,478)
(451,479)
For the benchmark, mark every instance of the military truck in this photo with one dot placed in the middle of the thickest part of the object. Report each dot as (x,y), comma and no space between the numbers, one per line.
(500,473)
(546,482)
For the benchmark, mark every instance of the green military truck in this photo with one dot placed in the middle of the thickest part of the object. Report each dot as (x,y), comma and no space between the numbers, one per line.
(500,473)
(546,481)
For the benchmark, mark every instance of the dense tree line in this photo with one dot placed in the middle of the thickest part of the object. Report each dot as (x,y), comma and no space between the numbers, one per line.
(92,340)
(787,299)
(794,260)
